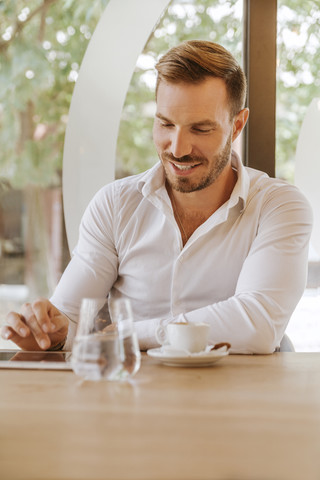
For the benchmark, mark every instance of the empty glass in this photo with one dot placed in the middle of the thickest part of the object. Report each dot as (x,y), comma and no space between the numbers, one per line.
(106,346)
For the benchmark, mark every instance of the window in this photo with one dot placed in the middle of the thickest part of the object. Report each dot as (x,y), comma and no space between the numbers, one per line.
(42,44)
(297,145)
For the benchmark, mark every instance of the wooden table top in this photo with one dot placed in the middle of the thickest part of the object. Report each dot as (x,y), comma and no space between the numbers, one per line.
(245,417)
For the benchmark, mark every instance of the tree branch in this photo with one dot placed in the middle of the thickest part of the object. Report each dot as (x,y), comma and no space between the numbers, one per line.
(19,26)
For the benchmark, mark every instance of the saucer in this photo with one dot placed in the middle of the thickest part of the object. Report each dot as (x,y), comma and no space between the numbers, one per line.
(176,358)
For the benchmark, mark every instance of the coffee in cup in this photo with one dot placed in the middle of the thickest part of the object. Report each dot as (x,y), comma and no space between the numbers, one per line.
(190,337)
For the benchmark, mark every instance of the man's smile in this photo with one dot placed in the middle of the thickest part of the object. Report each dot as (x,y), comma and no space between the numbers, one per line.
(184,168)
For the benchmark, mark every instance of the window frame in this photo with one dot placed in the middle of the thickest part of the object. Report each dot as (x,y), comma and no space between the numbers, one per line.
(260,57)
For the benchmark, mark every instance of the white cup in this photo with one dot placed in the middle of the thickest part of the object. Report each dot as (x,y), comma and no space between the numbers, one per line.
(190,337)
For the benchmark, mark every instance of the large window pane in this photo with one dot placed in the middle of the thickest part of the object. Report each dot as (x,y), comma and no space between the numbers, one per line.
(42,44)
(298,84)
(298,79)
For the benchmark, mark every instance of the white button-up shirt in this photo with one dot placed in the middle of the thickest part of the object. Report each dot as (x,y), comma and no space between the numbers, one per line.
(242,271)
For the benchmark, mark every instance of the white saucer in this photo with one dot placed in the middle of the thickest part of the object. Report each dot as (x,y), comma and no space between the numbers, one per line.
(179,359)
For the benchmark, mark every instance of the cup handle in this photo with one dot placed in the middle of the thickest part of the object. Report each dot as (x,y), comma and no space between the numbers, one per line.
(161,334)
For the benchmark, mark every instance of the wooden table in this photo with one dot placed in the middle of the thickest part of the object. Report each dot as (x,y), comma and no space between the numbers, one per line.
(246,417)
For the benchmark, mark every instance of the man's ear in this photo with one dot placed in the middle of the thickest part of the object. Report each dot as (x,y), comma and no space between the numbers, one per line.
(239,122)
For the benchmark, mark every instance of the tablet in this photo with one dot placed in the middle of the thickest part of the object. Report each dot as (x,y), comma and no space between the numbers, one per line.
(35,360)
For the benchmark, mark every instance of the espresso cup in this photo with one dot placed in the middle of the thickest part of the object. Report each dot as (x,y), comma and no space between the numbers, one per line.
(190,337)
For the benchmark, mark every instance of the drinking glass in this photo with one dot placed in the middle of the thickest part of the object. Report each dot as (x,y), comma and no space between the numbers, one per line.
(106,346)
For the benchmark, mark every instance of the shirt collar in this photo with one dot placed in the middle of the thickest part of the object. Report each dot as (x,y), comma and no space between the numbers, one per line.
(151,180)
(242,186)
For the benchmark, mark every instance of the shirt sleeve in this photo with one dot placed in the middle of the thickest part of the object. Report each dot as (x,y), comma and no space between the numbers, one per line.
(94,264)
(270,284)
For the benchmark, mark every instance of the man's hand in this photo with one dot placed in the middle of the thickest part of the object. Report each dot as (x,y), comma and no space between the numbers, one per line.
(39,326)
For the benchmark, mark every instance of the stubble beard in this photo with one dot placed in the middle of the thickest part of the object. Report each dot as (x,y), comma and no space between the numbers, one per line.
(187,185)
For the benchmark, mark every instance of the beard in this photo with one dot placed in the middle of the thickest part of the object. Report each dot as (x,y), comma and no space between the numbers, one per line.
(187,185)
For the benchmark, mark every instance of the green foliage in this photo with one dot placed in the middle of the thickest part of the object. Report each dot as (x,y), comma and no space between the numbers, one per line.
(42,43)
(298,79)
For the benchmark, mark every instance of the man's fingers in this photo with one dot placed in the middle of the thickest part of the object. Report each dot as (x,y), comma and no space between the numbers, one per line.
(35,327)
(8,334)
(17,324)
(38,326)
(40,310)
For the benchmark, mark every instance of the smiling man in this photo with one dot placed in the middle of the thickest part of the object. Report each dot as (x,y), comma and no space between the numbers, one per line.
(198,237)
(193,132)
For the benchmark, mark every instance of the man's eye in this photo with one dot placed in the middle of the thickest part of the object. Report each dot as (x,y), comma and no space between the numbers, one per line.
(201,130)
(167,125)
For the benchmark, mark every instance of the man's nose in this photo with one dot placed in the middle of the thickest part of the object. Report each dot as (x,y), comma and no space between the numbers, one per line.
(180,144)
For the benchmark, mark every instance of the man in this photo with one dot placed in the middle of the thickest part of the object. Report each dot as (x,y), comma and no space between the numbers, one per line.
(198,237)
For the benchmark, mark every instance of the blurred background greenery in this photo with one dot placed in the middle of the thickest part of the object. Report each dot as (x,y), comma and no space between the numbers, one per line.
(42,44)
(298,79)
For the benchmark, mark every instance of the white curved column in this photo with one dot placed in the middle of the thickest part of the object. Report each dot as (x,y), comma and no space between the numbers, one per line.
(307,169)
(97,102)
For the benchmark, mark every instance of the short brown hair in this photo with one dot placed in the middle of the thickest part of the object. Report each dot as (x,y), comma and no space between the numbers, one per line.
(195,60)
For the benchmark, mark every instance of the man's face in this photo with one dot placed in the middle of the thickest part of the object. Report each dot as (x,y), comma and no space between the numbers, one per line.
(193,133)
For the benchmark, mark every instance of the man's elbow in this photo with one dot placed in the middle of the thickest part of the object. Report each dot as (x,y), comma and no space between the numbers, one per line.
(258,343)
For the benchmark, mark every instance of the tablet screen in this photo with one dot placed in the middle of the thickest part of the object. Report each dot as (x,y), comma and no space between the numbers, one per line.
(38,360)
